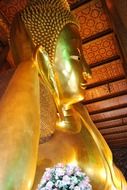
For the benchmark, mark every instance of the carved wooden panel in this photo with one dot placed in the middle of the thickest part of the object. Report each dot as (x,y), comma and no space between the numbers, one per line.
(116,136)
(112,123)
(106,72)
(114,130)
(106,90)
(97,92)
(108,115)
(92,18)
(118,86)
(100,49)
(109,103)
(120,142)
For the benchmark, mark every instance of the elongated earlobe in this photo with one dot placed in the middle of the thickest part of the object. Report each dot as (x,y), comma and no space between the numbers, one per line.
(46,71)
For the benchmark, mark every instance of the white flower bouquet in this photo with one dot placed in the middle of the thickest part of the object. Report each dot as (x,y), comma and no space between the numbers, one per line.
(64,177)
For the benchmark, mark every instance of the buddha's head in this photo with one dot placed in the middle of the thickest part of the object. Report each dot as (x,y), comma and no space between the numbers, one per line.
(70,66)
(52,26)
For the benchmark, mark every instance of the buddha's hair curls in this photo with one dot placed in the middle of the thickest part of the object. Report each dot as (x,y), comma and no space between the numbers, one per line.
(45,19)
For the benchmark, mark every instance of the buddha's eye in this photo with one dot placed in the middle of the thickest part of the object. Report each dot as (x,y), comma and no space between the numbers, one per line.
(75,57)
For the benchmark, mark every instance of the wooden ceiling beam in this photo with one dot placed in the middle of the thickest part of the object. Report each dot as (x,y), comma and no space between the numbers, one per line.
(120,140)
(117,144)
(112,123)
(96,36)
(110,108)
(108,60)
(106,89)
(93,85)
(110,115)
(111,127)
(113,130)
(114,95)
(120,135)
(110,118)
(106,74)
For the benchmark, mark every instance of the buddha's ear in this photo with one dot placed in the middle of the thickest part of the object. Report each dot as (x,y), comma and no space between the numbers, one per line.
(45,69)
(36,52)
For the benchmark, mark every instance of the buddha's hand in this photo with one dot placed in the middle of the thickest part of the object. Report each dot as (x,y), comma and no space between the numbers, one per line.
(20,41)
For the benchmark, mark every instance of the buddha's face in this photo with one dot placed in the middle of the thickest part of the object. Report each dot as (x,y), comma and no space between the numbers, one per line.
(70,65)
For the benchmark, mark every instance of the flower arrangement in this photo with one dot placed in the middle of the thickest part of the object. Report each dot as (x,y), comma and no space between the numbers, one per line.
(64,177)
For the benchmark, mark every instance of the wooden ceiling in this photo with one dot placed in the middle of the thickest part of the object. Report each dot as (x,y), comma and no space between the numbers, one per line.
(106,93)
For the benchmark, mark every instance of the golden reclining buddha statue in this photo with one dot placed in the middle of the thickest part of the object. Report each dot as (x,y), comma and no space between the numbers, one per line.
(46,46)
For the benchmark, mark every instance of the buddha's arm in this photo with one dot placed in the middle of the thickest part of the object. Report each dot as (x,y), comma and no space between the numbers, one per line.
(19,122)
